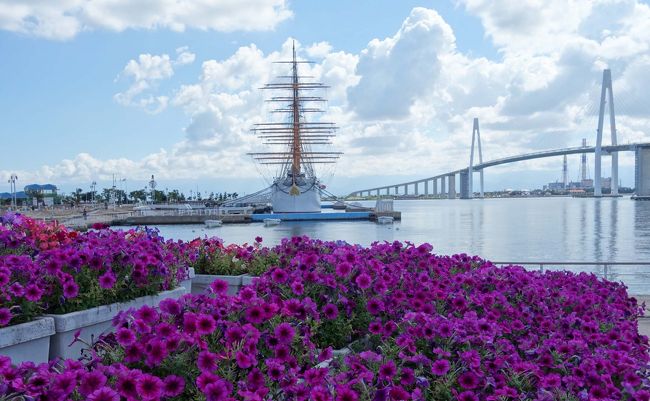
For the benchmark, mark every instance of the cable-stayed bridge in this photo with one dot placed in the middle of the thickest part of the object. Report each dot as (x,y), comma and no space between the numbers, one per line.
(448,180)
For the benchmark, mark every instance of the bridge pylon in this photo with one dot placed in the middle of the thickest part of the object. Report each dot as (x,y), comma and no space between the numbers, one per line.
(606,90)
(476,139)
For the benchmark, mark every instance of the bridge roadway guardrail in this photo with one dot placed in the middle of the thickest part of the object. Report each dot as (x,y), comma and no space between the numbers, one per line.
(637,279)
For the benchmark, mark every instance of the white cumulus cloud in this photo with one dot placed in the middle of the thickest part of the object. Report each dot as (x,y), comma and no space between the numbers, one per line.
(405,103)
(64,19)
(145,73)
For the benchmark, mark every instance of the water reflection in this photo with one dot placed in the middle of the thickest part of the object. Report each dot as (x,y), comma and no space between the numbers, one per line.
(598,235)
(556,229)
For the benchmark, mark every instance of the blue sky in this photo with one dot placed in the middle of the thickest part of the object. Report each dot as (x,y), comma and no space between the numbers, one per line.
(58,87)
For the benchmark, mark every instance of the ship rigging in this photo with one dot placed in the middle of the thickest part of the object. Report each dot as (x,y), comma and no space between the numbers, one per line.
(296,187)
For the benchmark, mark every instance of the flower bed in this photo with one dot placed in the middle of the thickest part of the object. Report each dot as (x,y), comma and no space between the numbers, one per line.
(424,327)
(45,268)
(212,260)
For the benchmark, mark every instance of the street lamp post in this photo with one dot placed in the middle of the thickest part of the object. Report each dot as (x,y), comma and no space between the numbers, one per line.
(12,183)
(126,197)
(93,185)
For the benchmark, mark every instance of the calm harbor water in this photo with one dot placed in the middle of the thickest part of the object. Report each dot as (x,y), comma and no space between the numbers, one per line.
(515,229)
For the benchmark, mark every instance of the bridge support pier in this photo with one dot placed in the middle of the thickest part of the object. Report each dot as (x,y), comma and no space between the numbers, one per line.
(464,185)
(435,186)
(642,172)
(605,90)
(443,190)
(378,192)
(426,187)
(452,186)
(396,190)
(476,138)
(417,189)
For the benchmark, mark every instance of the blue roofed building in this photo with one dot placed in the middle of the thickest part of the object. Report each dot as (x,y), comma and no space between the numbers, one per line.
(44,194)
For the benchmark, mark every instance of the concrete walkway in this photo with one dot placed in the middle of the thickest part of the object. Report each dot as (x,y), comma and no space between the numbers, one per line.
(644,322)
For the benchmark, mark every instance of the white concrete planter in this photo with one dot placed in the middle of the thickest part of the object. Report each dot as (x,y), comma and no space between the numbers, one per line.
(201,283)
(27,341)
(247,280)
(187,284)
(336,353)
(94,322)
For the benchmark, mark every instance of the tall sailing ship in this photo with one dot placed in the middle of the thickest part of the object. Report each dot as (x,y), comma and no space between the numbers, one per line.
(295,187)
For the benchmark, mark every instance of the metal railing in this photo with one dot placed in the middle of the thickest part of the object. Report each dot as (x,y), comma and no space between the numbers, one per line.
(606,267)
(194,212)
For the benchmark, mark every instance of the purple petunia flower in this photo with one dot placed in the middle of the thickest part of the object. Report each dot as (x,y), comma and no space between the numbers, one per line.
(284,333)
(91,381)
(363,281)
(124,336)
(5,316)
(205,324)
(387,370)
(104,394)
(255,314)
(219,287)
(173,385)
(207,361)
(70,289)
(107,280)
(468,380)
(33,293)
(440,367)
(149,387)
(467,396)
(344,393)
(330,311)
(216,391)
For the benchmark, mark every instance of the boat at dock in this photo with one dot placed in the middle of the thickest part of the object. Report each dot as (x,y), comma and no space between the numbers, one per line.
(385,220)
(271,222)
(213,223)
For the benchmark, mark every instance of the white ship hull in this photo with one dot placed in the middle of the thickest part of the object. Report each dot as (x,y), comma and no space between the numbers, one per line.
(306,201)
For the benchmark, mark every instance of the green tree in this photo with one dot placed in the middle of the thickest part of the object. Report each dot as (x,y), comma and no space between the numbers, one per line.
(138,195)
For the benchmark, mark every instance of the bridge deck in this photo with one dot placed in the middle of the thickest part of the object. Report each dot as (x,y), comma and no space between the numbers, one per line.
(512,159)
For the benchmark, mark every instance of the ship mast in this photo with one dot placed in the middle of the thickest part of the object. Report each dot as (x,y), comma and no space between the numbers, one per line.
(296,135)
(295,166)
